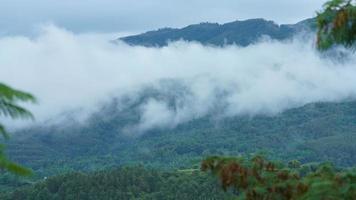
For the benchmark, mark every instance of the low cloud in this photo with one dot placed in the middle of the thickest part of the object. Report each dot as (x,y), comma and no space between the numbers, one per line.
(69,72)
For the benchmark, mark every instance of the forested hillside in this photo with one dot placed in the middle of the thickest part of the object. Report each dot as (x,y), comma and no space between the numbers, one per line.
(124,183)
(317,132)
(241,33)
(250,177)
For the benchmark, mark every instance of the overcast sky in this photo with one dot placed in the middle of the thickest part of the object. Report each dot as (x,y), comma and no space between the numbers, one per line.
(22,16)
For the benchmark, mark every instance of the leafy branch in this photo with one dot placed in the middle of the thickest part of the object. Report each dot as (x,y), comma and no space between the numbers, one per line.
(9,107)
(337,24)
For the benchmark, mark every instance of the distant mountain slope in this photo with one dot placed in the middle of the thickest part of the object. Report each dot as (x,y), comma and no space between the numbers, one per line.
(316,132)
(241,33)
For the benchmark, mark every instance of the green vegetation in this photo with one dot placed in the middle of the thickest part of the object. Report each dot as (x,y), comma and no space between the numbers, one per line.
(251,179)
(337,24)
(257,178)
(123,183)
(9,99)
(317,132)
(242,33)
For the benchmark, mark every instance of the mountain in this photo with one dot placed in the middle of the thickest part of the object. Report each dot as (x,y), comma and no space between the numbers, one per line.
(241,33)
(316,132)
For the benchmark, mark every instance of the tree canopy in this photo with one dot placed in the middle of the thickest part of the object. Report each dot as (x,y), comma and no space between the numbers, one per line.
(337,24)
(258,178)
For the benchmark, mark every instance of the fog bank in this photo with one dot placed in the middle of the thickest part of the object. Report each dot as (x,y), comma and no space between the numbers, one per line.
(67,71)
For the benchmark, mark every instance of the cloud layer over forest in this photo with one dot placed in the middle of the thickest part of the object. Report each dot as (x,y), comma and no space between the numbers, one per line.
(67,71)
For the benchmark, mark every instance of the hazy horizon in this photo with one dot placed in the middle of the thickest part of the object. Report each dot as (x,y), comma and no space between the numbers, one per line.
(108,16)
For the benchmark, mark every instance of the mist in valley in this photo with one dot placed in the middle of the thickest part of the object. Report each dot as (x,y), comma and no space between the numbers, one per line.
(79,73)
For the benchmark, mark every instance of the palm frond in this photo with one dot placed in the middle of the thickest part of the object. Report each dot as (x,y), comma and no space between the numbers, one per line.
(9,99)
(12,95)
(3,132)
(14,111)
(12,167)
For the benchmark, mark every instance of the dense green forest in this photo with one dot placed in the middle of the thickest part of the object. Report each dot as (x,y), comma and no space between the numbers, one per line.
(124,183)
(252,178)
(316,132)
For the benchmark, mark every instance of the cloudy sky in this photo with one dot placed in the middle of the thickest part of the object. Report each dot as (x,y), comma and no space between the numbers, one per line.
(23,16)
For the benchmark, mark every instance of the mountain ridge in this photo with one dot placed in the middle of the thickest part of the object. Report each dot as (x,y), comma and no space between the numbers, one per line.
(242,33)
